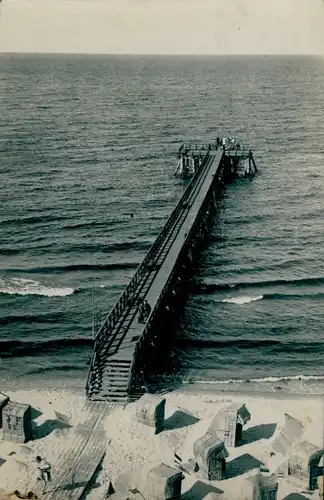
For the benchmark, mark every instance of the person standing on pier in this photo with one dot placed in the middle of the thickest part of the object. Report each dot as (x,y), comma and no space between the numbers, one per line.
(144,311)
(147,309)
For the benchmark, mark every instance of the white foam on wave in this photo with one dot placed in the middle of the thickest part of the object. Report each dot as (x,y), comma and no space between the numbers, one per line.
(265,379)
(243,299)
(22,286)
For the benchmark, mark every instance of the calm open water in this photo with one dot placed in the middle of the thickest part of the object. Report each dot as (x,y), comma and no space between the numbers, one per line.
(88,140)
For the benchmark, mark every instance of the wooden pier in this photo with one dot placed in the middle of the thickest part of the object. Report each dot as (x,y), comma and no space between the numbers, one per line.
(129,334)
(75,467)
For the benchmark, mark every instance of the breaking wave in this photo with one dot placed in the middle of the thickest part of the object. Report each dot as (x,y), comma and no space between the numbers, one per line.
(265,379)
(244,299)
(23,286)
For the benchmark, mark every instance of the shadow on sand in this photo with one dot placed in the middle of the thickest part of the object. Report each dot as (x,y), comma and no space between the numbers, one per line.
(47,427)
(179,419)
(200,490)
(241,465)
(74,486)
(263,431)
(295,496)
(35,413)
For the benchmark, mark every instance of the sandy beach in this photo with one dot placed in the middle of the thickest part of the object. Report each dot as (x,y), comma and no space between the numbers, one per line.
(54,414)
(133,448)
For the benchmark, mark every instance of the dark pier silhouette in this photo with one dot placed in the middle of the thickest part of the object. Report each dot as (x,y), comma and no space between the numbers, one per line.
(128,340)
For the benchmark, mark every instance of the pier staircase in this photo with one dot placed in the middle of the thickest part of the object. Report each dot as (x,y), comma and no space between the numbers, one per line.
(112,379)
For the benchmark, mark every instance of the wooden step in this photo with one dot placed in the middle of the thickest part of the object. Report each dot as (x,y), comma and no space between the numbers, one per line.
(114,387)
(115,378)
(134,397)
(115,374)
(116,402)
(119,402)
(110,396)
(114,383)
(97,397)
(121,360)
(112,362)
(107,389)
(110,382)
(109,371)
(114,397)
(115,367)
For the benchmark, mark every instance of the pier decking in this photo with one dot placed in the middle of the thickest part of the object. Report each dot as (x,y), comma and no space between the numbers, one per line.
(76,465)
(114,364)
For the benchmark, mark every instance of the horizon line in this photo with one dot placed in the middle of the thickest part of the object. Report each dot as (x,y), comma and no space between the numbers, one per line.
(274,54)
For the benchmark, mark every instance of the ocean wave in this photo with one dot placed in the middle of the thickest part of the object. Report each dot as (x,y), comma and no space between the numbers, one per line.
(117,220)
(15,348)
(91,224)
(293,296)
(108,247)
(22,286)
(269,346)
(74,267)
(264,379)
(35,219)
(20,348)
(122,246)
(206,286)
(104,188)
(56,368)
(48,317)
(248,219)
(238,343)
(243,299)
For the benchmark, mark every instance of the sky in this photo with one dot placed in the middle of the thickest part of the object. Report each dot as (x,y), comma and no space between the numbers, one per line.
(163,26)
